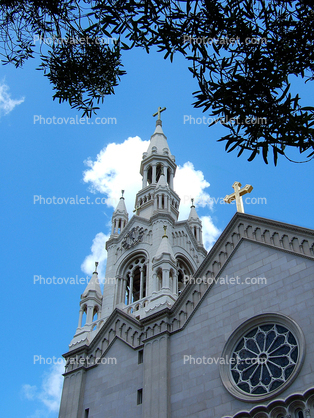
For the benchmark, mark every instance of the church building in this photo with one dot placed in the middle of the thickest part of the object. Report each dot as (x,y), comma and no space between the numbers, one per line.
(178,332)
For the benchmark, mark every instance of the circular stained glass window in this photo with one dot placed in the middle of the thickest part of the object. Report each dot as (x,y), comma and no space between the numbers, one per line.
(264,356)
(264,359)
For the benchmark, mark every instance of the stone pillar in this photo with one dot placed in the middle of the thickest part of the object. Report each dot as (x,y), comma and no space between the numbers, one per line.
(123,290)
(72,395)
(155,287)
(165,278)
(144,183)
(80,318)
(156,390)
(118,291)
(154,173)
(131,289)
(141,282)
(89,317)
(159,201)
(198,234)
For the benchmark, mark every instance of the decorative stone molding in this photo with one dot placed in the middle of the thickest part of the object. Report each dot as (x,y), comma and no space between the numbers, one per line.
(283,236)
(282,407)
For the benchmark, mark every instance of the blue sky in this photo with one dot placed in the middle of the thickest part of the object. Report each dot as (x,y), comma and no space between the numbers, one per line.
(97,161)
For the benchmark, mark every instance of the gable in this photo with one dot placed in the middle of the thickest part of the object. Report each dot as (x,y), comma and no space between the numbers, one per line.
(288,291)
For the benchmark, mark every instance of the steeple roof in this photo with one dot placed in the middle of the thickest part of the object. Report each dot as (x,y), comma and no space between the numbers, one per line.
(93,287)
(164,248)
(193,214)
(121,208)
(158,141)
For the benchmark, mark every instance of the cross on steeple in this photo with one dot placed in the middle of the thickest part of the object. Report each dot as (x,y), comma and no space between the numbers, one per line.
(137,207)
(159,112)
(96,265)
(237,195)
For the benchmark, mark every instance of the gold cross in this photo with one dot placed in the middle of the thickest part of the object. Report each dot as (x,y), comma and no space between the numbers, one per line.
(136,209)
(159,112)
(237,195)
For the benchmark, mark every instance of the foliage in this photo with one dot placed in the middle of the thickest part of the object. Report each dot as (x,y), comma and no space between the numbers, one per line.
(242,53)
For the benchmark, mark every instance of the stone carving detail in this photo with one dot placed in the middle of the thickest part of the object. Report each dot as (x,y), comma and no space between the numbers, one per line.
(288,409)
(293,240)
(133,237)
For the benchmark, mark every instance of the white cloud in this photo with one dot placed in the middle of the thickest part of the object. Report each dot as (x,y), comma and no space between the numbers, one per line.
(210,232)
(50,393)
(6,103)
(117,167)
(190,184)
(98,253)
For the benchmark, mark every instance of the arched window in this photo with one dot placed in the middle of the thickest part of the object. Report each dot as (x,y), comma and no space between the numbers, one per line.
(149,175)
(159,170)
(136,280)
(159,279)
(84,315)
(299,413)
(168,175)
(184,274)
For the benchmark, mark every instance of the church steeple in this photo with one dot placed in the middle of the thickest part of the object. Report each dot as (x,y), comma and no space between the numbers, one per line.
(195,224)
(158,169)
(120,217)
(90,305)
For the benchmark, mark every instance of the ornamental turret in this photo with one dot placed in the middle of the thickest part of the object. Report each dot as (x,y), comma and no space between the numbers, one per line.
(195,224)
(120,217)
(157,169)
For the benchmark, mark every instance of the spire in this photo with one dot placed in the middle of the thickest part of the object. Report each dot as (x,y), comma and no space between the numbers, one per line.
(158,169)
(195,224)
(121,208)
(164,247)
(120,217)
(193,214)
(158,143)
(93,287)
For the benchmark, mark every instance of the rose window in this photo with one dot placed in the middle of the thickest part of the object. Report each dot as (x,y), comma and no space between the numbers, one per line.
(264,359)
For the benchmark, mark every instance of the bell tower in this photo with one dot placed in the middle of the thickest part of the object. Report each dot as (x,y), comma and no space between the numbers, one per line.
(150,256)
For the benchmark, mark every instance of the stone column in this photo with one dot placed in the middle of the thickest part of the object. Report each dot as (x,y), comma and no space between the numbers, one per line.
(156,390)
(89,317)
(155,287)
(165,278)
(80,318)
(141,282)
(144,182)
(131,289)
(154,173)
(159,201)
(197,234)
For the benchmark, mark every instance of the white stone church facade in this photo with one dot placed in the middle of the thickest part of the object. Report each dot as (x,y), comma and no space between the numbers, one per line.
(181,333)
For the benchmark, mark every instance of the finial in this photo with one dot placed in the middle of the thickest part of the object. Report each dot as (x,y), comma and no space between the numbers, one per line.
(165,232)
(96,265)
(192,201)
(122,192)
(158,121)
